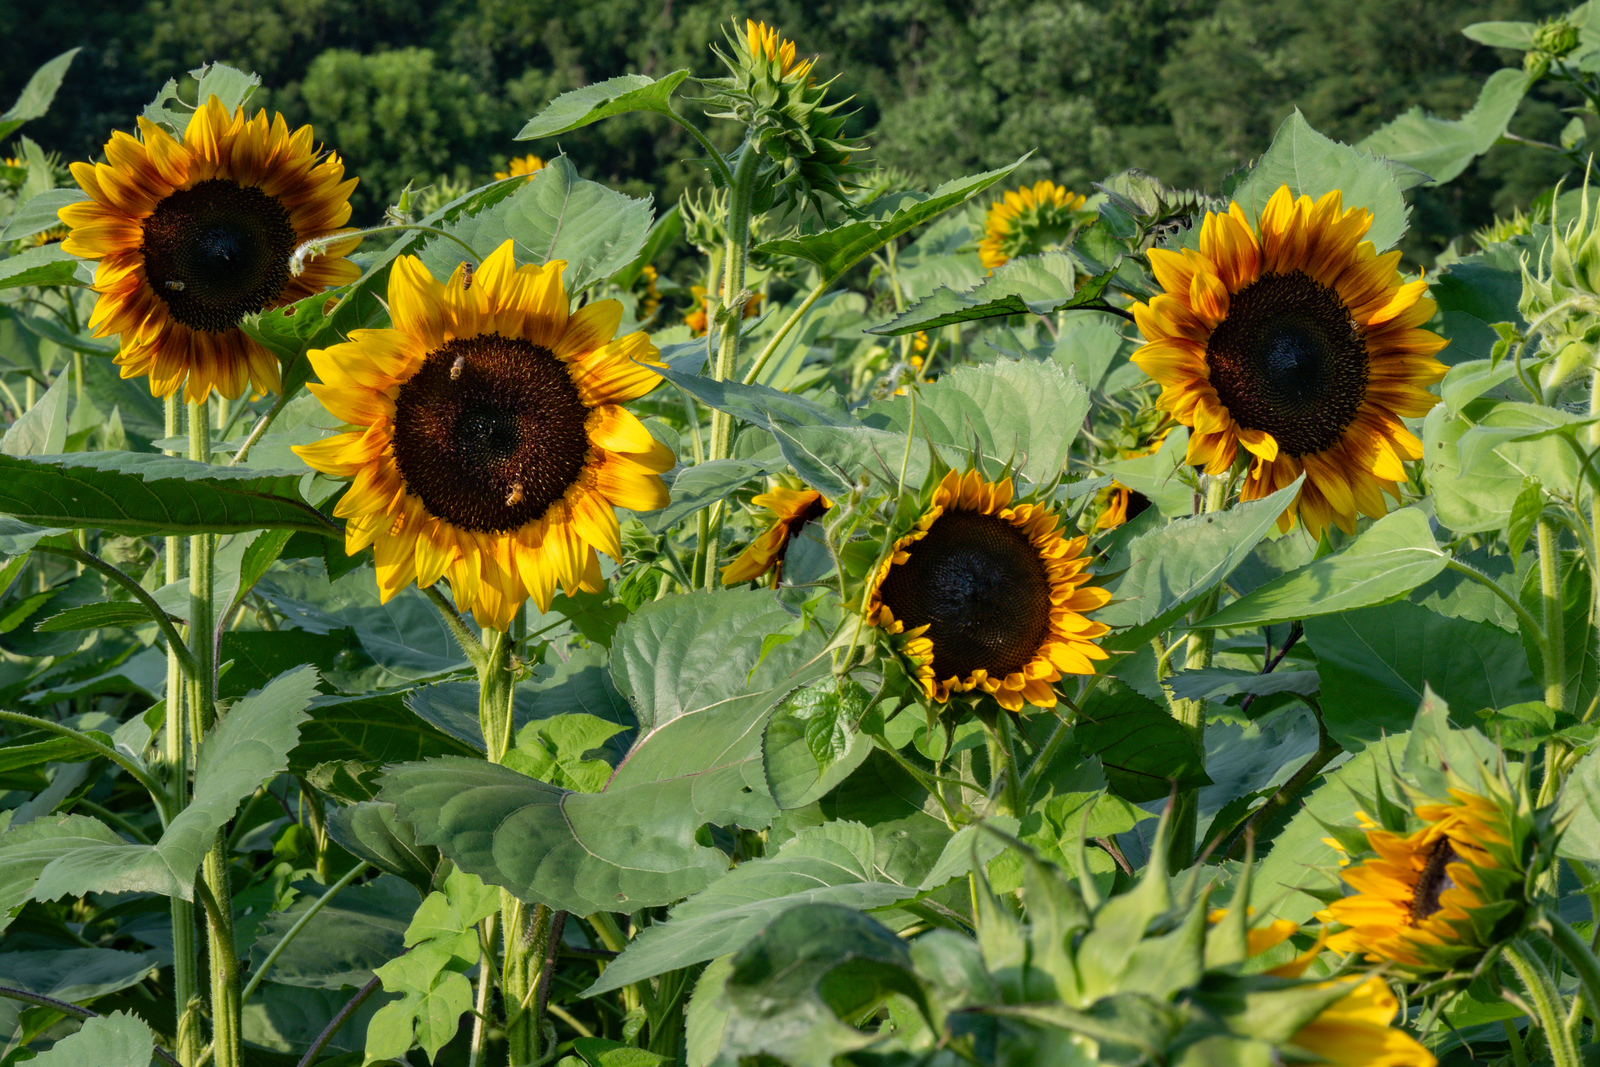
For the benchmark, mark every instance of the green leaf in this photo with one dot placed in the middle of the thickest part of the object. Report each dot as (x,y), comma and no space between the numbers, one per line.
(701,486)
(1220,683)
(1170,568)
(287,1019)
(554,215)
(369,728)
(372,831)
(40,213)
(755,404)
(1442,148)
(553,750)
(886,219)
(790,989)
(231,87)
(614,96)
(139,493)
(833,459)
(360,929)
(812,743)
(691,666)
(831,863)
(663,232)
(1141,746)
(250,744)
(26,850)
(1374,664)
(1525,513)
(1040,285)
(1479,496)
(95,617)
(1312,165)
(47,265)
(1390,559)
(1158,476)
(120,1039)
(36,96)
(1518,35)
(42,428)
(21,752)
(599,1052)
(1024,412)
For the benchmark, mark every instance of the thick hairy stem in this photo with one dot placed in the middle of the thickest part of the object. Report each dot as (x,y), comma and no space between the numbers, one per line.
(1553,649)
(1546,1001)
(1579,956)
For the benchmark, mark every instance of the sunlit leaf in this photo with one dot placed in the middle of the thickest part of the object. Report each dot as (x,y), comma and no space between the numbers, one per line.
(615,96)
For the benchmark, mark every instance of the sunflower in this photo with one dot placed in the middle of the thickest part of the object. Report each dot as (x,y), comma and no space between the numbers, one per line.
(1440,895)
(489,446)
(1120,502)
(791,510)
(988,594)
(193,237)
(1028,220)
(528,165)
(1354,1030)
(764,40)
(1293,338)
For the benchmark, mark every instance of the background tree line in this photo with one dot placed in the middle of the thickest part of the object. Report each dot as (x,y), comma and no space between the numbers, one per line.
(1188,89)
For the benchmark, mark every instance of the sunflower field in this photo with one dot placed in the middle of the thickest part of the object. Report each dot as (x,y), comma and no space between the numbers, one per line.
(824,621)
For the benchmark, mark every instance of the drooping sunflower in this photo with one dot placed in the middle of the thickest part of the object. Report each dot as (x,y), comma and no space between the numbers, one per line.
(489,445)
(194,236)
(987,594)
(1291,336)
(1441,895)
(529,165)
(791,510)
(1028,220)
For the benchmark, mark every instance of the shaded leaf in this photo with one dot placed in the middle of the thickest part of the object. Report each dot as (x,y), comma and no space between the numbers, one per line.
(46,265)
(1141,746)
(36,96)
(39,213)
(1039,285)
(120,1039)
(360,929)
(372,831)
(614,96)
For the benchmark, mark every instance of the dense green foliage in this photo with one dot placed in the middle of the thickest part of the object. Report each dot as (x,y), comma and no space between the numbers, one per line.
(1187,89)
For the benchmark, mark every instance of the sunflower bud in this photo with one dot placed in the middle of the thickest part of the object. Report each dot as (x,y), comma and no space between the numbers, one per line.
(773,95)
(1565,278)
(704,224)
(1556,38)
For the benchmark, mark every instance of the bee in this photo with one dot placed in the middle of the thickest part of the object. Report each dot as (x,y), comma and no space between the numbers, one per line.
(515,497)
(457,367)
(466,276)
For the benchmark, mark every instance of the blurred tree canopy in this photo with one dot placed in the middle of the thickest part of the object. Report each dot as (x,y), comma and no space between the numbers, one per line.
(1188,89)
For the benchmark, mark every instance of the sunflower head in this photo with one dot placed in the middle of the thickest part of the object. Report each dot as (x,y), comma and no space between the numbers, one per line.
(771,92)
(528,165)
(1442,881)
(984,593)
(1030,220)
(487,440)
(1286,341)
(193,236)
(790,509)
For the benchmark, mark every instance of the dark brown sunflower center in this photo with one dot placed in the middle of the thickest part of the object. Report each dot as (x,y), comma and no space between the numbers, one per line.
(218,252)
(981,589)
(1290,360)
(490,432)
(1434,881)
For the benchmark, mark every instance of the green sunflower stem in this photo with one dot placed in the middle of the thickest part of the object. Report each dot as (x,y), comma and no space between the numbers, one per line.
(1191,714)
(1006,795)
(188,1041)
(1579,956)
(726,364)
(1555,659)
(1546,1001)
(526,929)
(226,1043)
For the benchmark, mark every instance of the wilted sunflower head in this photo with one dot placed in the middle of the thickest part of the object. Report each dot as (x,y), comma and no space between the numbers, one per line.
(1290,336)
(984,593)
(194,236)
(488,442)
(791,509)
(1438,896)
(1029,220)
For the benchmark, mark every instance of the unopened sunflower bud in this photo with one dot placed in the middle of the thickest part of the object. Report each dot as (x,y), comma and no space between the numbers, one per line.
(1556,38)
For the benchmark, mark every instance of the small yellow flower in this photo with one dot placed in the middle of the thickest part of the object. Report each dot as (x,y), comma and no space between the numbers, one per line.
(528,165)
(698,316)
(765,40)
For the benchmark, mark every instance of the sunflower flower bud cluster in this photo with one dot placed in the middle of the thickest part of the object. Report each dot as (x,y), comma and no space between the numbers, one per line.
(1561,291)
(772,94)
